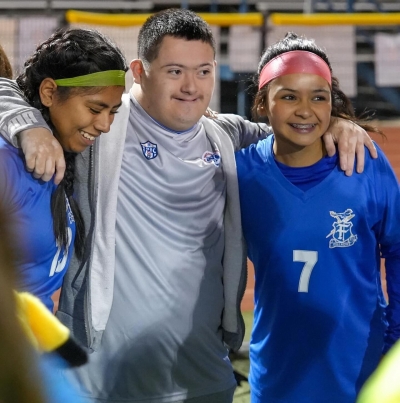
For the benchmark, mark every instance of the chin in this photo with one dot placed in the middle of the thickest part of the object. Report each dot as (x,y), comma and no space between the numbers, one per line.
(181,126)
(189,123)
(74,150)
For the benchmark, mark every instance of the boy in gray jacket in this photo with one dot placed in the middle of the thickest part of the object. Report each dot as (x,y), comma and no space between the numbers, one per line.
(156,298)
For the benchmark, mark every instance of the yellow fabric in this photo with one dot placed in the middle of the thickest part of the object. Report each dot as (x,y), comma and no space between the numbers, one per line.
(42,328)
(383,386)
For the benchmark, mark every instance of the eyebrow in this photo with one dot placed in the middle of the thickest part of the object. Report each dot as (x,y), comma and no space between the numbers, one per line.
(104,105)
(183,66)
(292,90)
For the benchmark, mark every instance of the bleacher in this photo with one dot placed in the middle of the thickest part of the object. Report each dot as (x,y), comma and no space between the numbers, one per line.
(234,87)
(211,5)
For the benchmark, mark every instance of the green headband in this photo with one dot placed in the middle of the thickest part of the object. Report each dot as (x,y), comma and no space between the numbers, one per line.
(100,79)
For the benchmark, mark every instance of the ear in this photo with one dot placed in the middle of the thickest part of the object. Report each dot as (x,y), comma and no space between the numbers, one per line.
(47,90)
(261,110)
(137,69)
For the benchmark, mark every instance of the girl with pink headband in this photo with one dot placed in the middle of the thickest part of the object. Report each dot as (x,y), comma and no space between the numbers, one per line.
(315,236)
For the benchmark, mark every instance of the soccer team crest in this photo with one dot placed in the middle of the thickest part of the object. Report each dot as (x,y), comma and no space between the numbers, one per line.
(149,150)
(342,235)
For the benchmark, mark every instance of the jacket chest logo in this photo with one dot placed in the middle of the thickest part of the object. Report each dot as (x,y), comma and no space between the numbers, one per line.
(149,150)
(212,157)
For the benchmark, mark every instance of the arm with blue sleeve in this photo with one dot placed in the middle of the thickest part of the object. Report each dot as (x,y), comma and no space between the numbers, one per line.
(388,233)
(392,267)
(10,178)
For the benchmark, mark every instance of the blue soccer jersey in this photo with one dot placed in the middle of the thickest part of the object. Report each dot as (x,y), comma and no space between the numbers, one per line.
(41,262)
(319,320)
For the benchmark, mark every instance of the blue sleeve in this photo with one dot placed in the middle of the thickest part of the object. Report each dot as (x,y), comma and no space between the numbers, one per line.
(10,179)
(392,267)
(387,196)
(388,233)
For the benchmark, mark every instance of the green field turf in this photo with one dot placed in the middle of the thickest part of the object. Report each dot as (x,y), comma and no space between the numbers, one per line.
(241,364)
(248,320)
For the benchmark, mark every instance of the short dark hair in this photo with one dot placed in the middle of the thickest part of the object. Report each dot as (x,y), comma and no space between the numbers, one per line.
(178,23)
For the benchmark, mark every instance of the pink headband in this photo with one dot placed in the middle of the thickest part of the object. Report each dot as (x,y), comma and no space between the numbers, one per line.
(296,61)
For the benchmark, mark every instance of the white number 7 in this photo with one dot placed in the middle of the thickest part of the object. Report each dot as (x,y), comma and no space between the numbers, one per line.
(309,258)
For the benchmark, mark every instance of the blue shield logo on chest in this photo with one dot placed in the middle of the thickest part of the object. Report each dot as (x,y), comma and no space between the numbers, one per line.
(149,150)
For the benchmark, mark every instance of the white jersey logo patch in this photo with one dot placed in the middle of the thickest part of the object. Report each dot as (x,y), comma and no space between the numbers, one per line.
(149,150)
(212,158)
(342,236)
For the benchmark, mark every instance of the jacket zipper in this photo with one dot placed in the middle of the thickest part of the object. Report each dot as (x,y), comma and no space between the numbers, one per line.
(92,203)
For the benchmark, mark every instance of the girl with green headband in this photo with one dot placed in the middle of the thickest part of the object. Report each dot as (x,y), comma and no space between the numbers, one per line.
(75,79)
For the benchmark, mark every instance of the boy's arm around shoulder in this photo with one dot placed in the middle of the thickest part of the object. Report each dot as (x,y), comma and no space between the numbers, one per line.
(24,126)
(16,114)
(242,131)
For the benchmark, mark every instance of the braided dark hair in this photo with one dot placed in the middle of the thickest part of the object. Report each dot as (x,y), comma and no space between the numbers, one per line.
(68,53)
(341,104)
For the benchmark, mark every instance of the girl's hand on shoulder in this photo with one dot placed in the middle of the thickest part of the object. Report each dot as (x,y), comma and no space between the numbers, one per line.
(209,113)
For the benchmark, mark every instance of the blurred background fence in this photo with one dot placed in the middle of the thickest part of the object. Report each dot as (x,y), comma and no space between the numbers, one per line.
(362,39)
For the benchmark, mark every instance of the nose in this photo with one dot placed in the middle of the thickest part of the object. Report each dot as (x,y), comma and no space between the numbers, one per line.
(304,109)
(189,83)
(103,121)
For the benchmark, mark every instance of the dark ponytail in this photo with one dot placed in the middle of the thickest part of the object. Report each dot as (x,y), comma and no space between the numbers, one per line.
(68,53)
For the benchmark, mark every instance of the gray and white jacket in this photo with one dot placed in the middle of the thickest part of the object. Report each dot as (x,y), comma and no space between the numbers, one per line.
(87,291)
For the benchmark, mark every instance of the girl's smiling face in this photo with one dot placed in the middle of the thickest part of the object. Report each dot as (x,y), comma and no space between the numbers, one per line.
(82,117)
(298,107)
